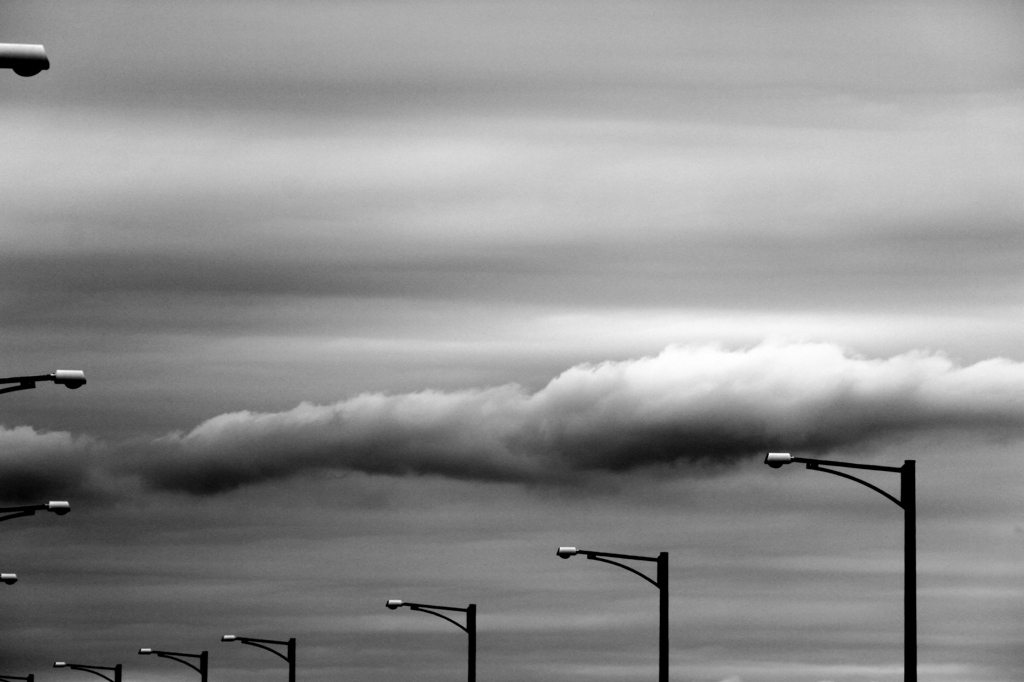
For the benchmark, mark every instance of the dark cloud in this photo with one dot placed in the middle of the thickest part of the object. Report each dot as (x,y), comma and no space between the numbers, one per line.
(39,466)
(701,406)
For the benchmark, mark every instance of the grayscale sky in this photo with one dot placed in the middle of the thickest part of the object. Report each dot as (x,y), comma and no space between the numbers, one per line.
(387,299)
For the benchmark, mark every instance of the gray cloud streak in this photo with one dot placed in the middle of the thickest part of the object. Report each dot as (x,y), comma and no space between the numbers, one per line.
(407,55)
(901,265)
(701,405)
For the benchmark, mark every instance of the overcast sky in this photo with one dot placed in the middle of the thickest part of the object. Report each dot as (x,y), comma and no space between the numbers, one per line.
(390,299)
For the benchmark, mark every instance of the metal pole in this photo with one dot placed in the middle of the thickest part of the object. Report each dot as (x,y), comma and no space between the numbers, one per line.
(117,673)
(662,578)
(204,665)
(908,497)
(471,631)
(291,660)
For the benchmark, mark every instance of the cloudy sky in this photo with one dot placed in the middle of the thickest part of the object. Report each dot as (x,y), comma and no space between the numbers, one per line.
(385,299)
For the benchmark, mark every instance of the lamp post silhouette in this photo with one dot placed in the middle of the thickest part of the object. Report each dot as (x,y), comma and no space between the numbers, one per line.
(469,628)
(25,60)
(288,656)
(94,669)
(203,659)
(8,513)
(72,378)
(907,501)
(59,508)
(660,581)
(10,678)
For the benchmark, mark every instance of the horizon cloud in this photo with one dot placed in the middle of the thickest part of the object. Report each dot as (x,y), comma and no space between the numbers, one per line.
(688,405)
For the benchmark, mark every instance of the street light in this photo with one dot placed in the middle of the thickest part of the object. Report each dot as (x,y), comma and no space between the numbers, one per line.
(72,378)
(10,678)
(660,581)
(289,645)
(203,659)
(60,508)
(8,513)
(907,501)
(94,669)
(26,60)
(469,628)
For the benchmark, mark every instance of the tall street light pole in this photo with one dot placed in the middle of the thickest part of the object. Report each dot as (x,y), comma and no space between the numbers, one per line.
(660,581)
(288,644)
(469,628)
(25,60)
(907,501)
(94,669)
(203,657)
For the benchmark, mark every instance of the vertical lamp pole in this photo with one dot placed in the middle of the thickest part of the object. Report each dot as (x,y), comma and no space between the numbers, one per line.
(471,632)
(908,502)
(908,498)
(660,581)
(289,647)
(469,628)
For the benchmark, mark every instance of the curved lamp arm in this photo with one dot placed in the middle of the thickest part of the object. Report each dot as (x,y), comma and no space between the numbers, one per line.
(816,467)
(594,557)
(566,552)
(430,608)
(777,460)
(174,655)
(261,643)
(94,669)
(440,615)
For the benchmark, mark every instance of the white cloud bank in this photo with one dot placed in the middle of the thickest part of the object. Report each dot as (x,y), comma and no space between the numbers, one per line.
(702,405)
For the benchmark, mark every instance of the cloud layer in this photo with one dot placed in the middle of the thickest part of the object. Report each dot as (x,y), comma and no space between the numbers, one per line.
(688,405)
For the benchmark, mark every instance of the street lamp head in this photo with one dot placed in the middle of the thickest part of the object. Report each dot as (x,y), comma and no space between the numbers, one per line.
(60,508)
(145,651)
(8,578)
(566,552)
(60,664)
(25,60)
(394,603)
(777,459)
(228,638)
(72,378)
